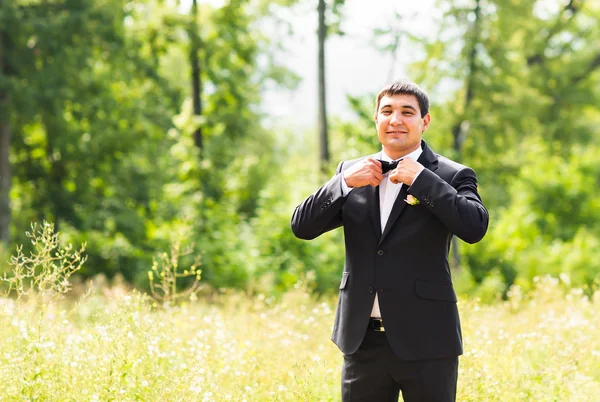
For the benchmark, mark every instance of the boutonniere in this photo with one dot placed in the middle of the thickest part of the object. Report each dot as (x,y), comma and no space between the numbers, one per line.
(410,200)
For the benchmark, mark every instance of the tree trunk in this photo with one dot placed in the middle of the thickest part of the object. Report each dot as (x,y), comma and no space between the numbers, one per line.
(5,174)
(460,128)
(323,136)
(195,63)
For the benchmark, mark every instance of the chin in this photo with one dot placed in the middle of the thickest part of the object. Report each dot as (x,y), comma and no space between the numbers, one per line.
(397,145)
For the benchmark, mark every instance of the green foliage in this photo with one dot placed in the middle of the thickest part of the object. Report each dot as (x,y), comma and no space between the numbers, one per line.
(283,257)
(97,148)
(103,126)
(527,81)
(83,159)
(550,225)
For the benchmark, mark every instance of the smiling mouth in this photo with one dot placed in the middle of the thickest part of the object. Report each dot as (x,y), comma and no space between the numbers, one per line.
(396,132)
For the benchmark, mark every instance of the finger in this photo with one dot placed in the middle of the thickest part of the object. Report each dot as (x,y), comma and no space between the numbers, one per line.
(399,170)
(375,162)
(374,181)
(395,177)
(377,169)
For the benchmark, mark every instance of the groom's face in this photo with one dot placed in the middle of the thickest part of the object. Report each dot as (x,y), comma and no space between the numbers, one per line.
(399,124)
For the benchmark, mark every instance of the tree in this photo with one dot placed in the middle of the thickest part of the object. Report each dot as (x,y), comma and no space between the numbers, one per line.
(195,47)
(5,137)
(103,128)
(323,137)
(323,30)
(528,81)
(86,104)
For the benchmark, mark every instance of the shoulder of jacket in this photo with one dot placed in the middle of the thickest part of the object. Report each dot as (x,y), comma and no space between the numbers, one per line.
(450,164)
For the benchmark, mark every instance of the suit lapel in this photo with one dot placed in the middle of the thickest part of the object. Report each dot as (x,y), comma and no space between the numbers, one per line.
(398,207)
(428,158)
(430,161)
(373,203)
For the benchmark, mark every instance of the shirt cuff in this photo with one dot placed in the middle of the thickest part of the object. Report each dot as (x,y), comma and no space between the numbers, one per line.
(345,189)
(417,175)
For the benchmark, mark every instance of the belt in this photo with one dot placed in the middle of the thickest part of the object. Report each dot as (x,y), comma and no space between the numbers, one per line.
(376,324)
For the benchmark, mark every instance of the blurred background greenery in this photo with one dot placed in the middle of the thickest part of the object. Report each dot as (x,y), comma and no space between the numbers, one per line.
(135,124)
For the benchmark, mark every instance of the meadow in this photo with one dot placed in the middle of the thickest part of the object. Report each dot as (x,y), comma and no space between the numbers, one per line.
(115,344)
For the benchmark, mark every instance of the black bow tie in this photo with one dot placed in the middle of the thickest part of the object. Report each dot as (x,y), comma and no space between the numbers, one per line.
(387,166)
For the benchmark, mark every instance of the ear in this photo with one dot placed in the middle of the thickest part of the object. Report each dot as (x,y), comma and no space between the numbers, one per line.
(426,121)
(375,116)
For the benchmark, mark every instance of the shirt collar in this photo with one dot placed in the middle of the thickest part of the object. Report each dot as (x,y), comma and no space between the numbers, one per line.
(414,155)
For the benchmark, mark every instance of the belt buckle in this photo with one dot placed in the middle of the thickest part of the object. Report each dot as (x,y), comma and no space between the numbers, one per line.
(378,325)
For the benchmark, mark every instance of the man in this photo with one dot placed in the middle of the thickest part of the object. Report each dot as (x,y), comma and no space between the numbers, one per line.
(397,322)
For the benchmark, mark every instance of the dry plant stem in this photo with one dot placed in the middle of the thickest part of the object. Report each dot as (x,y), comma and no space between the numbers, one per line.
(46,271)
(166,268)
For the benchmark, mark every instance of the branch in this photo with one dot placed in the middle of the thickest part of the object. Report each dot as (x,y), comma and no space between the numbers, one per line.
(574,6)
(590,69)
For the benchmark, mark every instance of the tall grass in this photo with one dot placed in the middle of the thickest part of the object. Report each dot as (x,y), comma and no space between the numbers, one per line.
(117,346)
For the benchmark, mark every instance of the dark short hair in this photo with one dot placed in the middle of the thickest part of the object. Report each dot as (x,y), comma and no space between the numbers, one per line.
(405,88)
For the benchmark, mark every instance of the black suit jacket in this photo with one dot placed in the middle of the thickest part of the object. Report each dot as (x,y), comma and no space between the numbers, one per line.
(407,264)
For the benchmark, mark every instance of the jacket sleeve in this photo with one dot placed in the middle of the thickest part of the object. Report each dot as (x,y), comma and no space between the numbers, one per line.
(321,211)
(457,204)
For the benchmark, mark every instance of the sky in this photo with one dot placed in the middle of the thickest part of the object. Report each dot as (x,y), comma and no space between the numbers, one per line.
(353,65)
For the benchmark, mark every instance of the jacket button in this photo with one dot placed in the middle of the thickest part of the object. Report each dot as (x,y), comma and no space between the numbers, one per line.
(371,289)
(379,252)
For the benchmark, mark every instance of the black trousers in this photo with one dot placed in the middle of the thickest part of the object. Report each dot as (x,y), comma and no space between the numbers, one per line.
(373,373)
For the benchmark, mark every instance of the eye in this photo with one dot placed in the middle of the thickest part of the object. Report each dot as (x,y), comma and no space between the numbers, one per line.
(408,113)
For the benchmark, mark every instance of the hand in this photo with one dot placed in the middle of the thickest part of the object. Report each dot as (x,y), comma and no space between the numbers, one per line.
(364,173)
(406,171)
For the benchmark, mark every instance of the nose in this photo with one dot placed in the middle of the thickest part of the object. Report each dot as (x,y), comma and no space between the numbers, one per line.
(395,118)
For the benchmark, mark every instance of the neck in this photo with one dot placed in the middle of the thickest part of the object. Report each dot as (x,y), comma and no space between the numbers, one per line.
(395,155)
